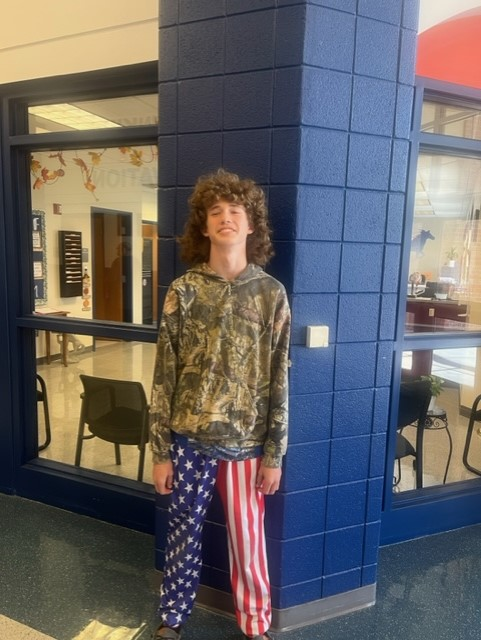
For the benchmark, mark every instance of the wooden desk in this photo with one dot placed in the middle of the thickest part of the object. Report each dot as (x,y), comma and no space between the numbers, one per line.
(432,316)
(64,351)
(435,315)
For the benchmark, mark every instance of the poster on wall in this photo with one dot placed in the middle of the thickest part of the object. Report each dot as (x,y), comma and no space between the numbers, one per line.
(39,256)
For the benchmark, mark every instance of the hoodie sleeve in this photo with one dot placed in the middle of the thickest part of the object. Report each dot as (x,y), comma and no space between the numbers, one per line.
(165,379)
(276,442)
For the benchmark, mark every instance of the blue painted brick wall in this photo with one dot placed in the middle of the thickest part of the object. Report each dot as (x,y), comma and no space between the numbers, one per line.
(296,95)
(366,279)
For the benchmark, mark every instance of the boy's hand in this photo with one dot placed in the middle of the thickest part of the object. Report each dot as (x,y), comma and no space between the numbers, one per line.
(268,479)
(163,476)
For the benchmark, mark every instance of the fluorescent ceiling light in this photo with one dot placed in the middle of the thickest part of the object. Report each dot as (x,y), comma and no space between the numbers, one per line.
(70,116)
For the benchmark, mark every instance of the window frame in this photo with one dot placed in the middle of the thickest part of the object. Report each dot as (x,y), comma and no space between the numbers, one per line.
(122,501)
(437,144)
(413,513)
(136,80)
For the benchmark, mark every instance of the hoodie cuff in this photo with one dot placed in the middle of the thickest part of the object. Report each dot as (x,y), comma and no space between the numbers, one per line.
(274,462)
(161,456)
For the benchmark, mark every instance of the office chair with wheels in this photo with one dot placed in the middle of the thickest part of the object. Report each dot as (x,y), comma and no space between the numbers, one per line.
(42,397)
(475,416)
(414,399)
(115,411)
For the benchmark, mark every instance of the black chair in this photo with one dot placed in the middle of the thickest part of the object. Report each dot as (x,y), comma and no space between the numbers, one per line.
(115,411)
(414,399)
(474,416)
(42,397)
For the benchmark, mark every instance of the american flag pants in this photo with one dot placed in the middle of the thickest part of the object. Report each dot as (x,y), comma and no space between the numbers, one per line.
(195,478)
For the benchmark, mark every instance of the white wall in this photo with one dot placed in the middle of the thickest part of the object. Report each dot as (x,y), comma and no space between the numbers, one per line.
(47,39)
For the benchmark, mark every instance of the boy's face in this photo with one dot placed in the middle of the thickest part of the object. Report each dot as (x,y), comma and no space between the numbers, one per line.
(227,224)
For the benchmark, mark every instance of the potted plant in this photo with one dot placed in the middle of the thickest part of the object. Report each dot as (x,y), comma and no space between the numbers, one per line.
(452,256)
(436,384)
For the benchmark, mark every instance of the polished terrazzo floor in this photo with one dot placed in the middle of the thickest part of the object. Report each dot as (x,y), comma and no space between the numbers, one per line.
(70,577)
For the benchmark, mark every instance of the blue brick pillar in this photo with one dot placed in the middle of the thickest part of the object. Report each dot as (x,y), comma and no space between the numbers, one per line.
(313,100)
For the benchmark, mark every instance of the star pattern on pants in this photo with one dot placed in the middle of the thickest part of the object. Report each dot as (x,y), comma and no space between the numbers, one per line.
(194,482)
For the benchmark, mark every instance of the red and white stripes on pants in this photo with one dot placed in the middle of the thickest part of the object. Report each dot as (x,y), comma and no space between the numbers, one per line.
(244,512)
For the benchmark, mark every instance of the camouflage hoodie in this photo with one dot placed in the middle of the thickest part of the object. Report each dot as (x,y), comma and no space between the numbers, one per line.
(220,375)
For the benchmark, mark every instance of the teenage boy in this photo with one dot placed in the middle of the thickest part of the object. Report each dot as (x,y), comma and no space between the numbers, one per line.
(219,398)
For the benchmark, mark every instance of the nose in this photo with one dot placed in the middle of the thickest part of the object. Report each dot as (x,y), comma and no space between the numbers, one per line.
(225,215)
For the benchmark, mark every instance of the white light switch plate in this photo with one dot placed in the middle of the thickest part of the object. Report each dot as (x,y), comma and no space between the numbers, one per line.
(317,336)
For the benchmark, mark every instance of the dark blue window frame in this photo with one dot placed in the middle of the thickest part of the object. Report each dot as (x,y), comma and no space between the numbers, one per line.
(116,500)
(431,510)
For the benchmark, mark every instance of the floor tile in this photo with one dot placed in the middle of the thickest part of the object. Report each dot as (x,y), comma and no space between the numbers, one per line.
(62,572)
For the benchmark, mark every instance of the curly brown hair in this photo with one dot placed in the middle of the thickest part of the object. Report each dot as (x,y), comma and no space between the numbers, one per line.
(222,185)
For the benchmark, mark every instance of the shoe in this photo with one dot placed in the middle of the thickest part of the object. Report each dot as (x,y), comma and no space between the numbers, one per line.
(167,633)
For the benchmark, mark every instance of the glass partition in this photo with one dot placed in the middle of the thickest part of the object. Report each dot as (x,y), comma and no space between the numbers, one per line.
(451,120)
(94,241)
(444,287)
(449,452)
(100,358)
(94,256)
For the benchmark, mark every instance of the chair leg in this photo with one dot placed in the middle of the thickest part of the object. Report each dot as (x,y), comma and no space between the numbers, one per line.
(140,473)
(450,453)
(46,414)
(80,439)
(398,479)
(144,438)
(117,454)
(467,444)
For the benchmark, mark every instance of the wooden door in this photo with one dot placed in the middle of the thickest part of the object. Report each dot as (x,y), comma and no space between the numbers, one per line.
(111,265)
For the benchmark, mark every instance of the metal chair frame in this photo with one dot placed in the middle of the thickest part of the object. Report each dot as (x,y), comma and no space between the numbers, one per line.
(109,388)
(474,416)
(42,397)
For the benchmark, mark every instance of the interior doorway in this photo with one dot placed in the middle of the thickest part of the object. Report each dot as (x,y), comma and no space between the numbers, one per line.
(112,286)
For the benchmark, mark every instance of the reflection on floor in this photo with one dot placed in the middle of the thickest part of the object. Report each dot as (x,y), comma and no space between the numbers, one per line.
(111,359)
(70,577)
(436,447)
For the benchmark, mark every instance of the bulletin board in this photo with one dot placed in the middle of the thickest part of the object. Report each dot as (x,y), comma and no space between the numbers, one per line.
(39,257)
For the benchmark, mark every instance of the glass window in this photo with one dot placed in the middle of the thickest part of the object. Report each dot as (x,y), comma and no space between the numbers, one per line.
(451,120)
(100,358)
(131,111)
(94,241)
(451,453)
(444,288)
